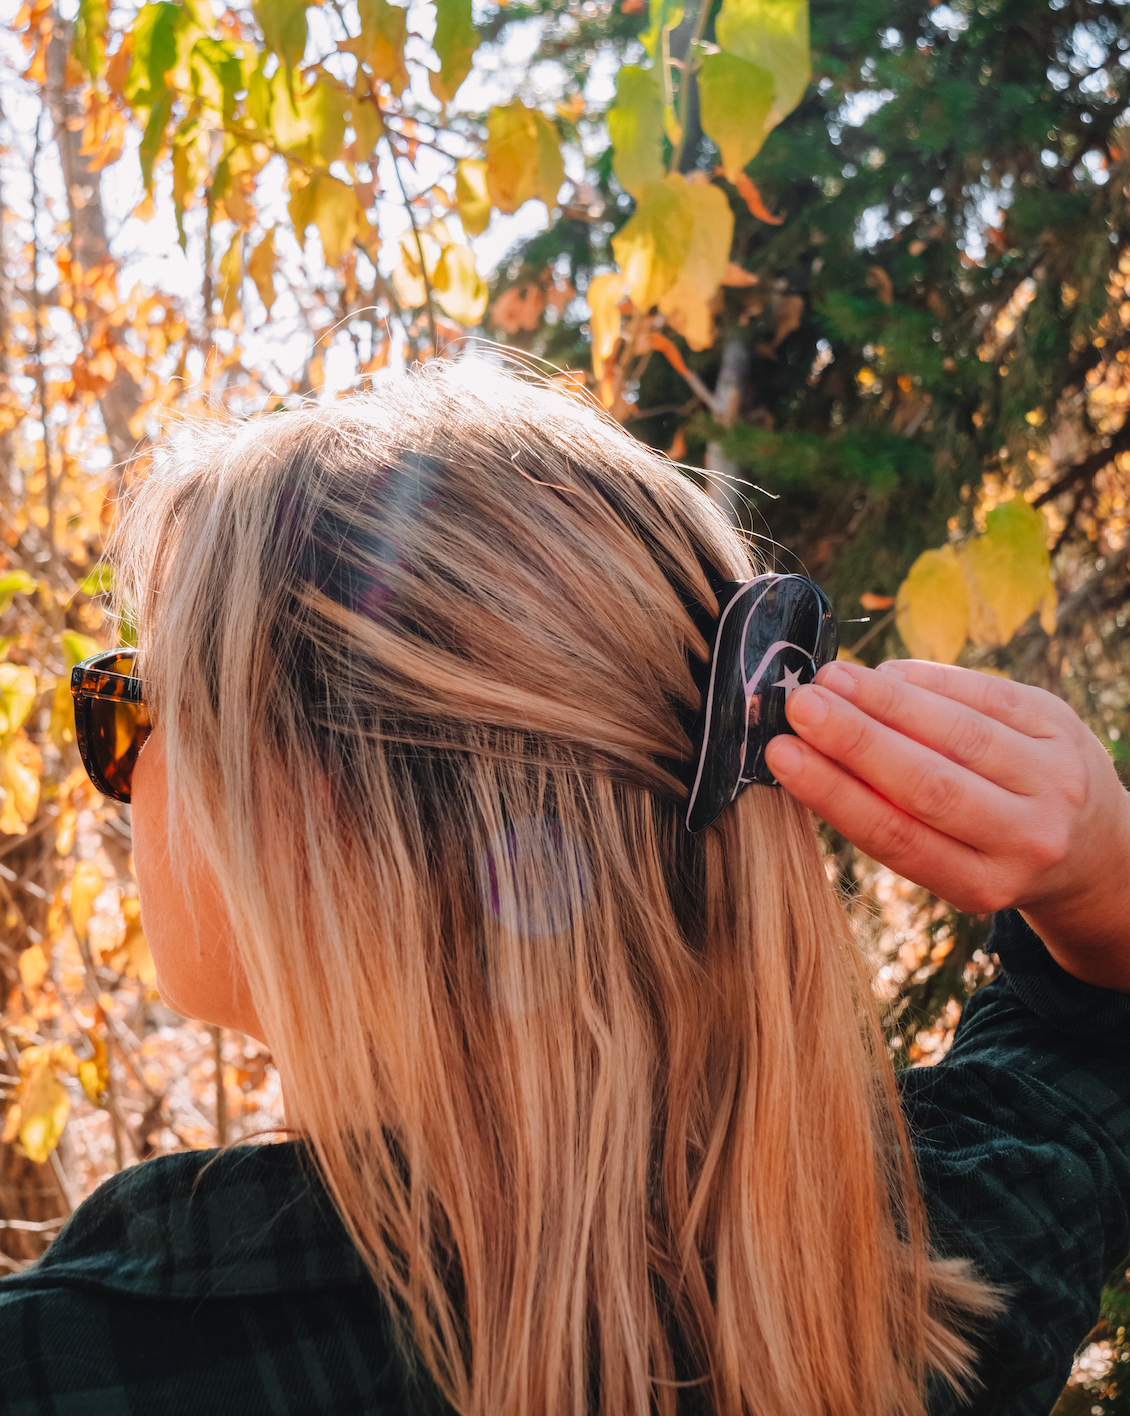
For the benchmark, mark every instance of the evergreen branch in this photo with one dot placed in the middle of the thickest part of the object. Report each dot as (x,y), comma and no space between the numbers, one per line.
(1089,467)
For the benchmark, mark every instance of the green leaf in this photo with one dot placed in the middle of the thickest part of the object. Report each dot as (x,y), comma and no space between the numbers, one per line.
(283,23)
(523,157)
(260,96)
(735,102)
(97,582)
(652,247)
(384,29)
(226,67)
(932,607)
(635,125)
(153,137)
(77,647)
(90,36)
(663,15)
(455,42)
(15,582)
(471,195)
(154,36)
(774,35)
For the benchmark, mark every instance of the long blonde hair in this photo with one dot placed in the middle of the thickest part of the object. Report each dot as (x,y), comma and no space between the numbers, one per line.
(603,1104)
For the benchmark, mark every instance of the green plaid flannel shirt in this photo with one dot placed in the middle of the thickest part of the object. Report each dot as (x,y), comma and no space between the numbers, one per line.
(201,1284)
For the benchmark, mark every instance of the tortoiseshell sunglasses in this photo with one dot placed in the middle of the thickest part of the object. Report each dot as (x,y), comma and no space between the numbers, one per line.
(111,719)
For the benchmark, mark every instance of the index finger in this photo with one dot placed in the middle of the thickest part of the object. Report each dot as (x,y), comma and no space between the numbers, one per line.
(1028,710)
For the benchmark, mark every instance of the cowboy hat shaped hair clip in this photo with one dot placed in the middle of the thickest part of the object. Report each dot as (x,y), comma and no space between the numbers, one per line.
(772,635)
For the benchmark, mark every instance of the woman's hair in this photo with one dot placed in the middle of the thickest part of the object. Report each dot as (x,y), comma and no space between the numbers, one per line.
(604,1105)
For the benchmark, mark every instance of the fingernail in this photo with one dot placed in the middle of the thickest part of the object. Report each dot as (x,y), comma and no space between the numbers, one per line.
(891,666)
(784,757)
(806,706)
(839,680)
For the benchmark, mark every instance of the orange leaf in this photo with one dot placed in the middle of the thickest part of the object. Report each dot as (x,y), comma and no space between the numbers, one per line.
(876,602)
(879,281)
(663,345)
(752,198)
(737,278)
(519,308)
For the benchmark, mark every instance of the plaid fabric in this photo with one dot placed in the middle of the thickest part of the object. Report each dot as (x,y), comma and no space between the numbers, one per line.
(214,1284)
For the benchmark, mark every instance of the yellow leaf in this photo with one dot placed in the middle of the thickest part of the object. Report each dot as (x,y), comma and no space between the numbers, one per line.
(736,103)
(33,966)
(76,647)
(1009,567)
(408,277)
(471,195)
(384,28)
(774,35)
(94,1072)
(932,607)
(17,695)
(523,157)
(11,1124)
(635,125)
(330,206)
(65,832)
(86,886)
(460,290)
(605,294)
(261,269)
(230,283)
(44,1106)
(15,582)
(324,108)
(455,41)
(688,314)
(141,960)
(21,766)
(367,127)
(680,230)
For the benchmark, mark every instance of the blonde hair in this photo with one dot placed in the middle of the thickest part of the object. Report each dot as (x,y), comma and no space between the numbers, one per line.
(603,1104)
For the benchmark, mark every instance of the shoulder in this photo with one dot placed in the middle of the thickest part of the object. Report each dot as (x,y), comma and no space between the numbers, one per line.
(203,1224)
(203,1281)
(1022,1136)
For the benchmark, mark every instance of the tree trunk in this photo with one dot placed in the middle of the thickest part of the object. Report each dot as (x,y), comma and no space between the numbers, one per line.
(122,401)
(723,476)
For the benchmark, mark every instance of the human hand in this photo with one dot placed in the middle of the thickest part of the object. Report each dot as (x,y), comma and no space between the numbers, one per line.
(989,793)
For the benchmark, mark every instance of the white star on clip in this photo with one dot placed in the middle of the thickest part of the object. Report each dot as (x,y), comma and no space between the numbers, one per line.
(790,681)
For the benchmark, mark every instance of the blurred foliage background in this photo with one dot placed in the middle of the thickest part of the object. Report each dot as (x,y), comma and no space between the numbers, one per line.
(865,272)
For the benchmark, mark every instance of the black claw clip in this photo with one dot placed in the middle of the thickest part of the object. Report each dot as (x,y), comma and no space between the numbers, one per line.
(772,635)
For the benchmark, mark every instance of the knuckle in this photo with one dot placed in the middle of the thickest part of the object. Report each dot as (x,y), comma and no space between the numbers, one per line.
(898,836)
(971,740)
(1049,847)
(937,794)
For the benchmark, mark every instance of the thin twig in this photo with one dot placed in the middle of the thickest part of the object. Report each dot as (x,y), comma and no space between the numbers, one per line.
(40,377)
(221,1090)
(875,629)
